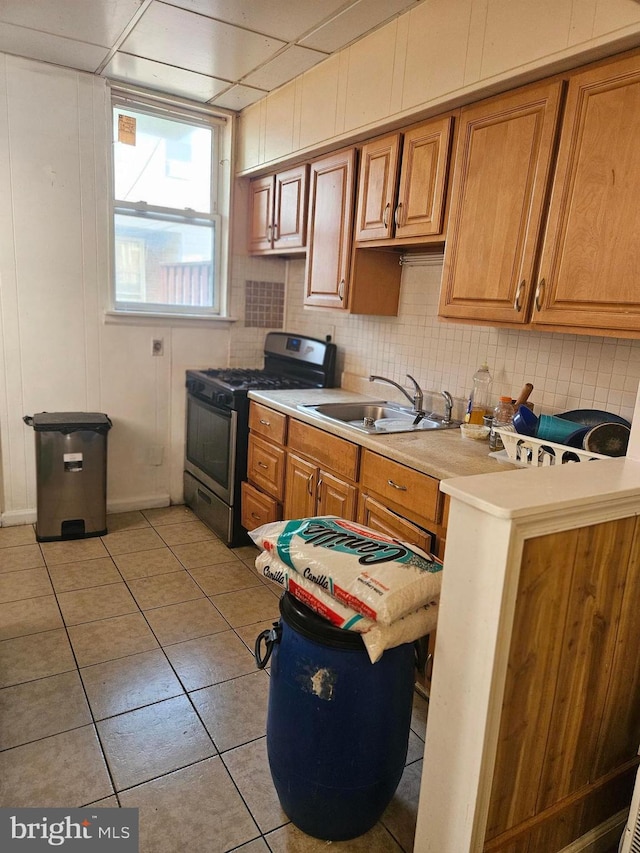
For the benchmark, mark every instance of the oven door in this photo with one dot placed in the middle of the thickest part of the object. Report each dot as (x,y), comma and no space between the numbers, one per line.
(210,449)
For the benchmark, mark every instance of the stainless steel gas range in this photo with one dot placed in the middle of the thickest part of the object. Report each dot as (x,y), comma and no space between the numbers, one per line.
(217,428)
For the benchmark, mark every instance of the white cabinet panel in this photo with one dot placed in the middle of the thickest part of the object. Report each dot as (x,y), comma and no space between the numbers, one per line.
(318,103)
(279,122)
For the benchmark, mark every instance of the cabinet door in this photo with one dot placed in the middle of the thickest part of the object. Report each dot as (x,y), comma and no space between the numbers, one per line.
(260,238)
(329,230)
(423,180)
(501,178)
(377,181)
(265,466)
(590,266)
(300,489)
(257,508)
(290,208)
(335,497)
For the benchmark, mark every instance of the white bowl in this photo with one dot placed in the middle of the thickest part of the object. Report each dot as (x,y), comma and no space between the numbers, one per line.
(478,432)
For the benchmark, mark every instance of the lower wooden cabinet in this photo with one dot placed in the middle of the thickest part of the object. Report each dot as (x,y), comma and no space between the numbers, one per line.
(375,515)
(310,491)
(258,508)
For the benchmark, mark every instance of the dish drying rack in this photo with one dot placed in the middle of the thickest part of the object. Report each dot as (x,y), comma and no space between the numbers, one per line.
(530,452)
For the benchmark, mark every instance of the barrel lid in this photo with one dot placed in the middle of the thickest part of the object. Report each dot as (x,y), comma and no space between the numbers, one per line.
(71,421)
(303,620)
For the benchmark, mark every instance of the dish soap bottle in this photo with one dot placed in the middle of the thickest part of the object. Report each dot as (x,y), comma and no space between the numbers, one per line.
(479,400)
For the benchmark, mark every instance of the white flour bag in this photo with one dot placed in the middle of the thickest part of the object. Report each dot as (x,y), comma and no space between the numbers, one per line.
(376,637)
(379,577)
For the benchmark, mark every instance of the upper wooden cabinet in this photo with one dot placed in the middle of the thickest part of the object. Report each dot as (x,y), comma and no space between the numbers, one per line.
(277,212)
(408,200)
(589,277)
(331,192)
(501,179)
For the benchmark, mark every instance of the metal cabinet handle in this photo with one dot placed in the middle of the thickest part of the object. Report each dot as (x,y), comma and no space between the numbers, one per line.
(265,423)
(518,300)
(385,218)
(319,488)
(341,291)
(276,232)
(396,215)
(269,232)
(539,294)
(396,486)
(310,484)
(262,465)
(255,515)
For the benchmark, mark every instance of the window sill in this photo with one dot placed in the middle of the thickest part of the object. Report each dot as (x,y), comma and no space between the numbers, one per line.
(149,318)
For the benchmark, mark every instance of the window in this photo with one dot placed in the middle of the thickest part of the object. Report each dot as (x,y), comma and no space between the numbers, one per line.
(167,224)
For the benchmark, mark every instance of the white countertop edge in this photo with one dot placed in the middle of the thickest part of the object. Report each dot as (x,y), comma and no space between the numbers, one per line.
(549,490)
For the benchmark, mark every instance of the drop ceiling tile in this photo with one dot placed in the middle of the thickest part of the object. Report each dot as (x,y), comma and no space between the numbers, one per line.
(47,48)
(288,19)
(165,78)
(357,19)
(76,19)
(238,97)
(177,37)
(284,67)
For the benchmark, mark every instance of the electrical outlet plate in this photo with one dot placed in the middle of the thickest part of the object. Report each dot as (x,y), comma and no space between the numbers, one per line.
(157,346)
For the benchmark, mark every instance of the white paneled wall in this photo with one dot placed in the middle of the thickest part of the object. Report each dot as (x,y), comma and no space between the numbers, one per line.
(437,54)
(567,371)
(56,352)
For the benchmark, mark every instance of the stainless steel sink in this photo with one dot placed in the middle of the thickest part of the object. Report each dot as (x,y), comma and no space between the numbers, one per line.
(376,417)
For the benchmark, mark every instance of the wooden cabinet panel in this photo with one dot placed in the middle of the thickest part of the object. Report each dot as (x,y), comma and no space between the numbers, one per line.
(377,181)
(300,492)
(501,180)
(591,256)
(406,201)
(412,492)
(335,497)
(290,208)
(570,724)
(331,192)
(265,466)
(260,237)
(277,211)
(329,451)
(258,508)
(268,423)
(423,180)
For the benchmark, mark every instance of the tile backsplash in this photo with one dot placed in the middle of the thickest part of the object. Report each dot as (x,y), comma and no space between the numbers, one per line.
(567,371)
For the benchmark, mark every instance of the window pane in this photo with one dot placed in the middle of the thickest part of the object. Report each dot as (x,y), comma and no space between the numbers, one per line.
(164,263)
(168,166)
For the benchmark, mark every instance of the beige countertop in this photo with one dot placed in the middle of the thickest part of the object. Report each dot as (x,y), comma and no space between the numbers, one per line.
(439,453)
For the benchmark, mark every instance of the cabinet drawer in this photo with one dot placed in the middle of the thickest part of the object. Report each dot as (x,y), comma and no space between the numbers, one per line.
(378,517)
(401,487)
(258,508)
(265,466)
(268,422)
(329,451)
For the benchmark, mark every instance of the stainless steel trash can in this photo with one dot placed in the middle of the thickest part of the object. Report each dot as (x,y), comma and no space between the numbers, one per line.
(71,474)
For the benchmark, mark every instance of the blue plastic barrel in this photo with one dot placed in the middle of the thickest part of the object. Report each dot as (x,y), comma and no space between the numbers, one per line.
(337,725)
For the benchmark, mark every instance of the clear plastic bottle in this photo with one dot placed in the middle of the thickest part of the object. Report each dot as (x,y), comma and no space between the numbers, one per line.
(502,417)
(479,399)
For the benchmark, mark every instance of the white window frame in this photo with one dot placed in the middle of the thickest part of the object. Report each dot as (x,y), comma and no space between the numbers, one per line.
(154,103)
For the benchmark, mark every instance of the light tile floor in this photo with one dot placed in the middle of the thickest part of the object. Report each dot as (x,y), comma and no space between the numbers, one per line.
(127,678)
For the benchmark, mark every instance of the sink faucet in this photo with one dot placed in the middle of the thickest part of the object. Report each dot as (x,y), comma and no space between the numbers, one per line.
(417,401)
(448,403)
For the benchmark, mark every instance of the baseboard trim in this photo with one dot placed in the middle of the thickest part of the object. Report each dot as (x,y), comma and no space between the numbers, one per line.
(18,516)
(13,518)
(601,838)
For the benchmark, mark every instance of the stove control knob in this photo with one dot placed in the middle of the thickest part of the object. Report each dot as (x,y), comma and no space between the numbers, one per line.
(223,399)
